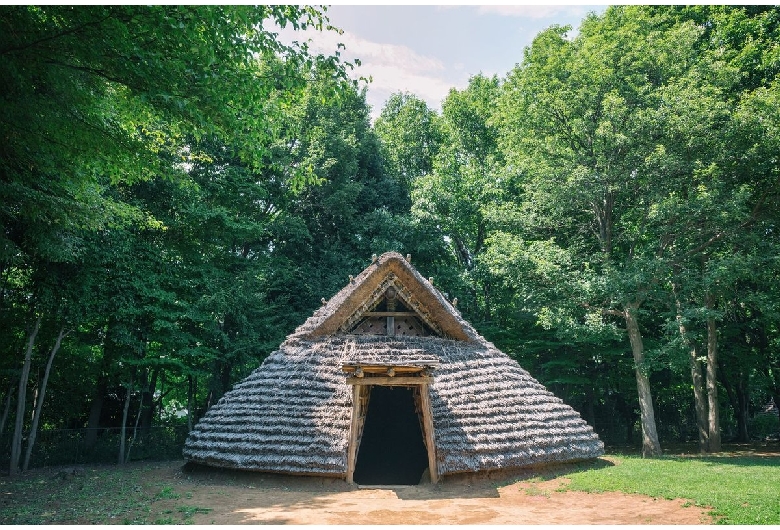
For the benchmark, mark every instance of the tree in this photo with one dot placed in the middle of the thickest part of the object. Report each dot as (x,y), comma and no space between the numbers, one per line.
(580,112)
(642,131)
(94,99)
(410,135)
(459,197)
(718,190)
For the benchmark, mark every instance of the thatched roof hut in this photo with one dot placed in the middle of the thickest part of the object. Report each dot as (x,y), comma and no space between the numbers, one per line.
(386,378)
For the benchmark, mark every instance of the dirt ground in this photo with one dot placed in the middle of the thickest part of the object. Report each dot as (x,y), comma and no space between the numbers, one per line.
(248,498)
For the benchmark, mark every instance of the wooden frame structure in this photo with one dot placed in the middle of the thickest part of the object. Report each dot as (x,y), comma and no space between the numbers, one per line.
(362,377)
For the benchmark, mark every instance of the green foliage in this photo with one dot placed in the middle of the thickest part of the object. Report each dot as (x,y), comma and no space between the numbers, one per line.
(146,176)
(179,189)
(410,135)
(636,192)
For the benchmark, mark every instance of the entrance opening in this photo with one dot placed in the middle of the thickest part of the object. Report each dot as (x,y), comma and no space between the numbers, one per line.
(391,450)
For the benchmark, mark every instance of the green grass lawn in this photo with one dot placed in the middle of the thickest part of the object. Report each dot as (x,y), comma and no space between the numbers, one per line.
(739,489)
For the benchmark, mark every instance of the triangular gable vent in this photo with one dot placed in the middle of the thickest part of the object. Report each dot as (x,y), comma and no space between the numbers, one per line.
(391,288)
(395,312)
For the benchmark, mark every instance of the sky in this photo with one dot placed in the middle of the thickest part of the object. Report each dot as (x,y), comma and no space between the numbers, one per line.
(427,50)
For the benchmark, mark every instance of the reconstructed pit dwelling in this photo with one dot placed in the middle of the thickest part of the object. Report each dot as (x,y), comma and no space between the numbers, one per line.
(382,383)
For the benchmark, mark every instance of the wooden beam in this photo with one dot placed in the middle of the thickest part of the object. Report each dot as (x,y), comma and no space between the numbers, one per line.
(353,434)
(388,381)
(389,314)
(382,368)
(425,404)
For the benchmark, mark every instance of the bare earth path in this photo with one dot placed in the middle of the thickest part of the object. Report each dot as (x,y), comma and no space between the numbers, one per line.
(172,493)
(236,498)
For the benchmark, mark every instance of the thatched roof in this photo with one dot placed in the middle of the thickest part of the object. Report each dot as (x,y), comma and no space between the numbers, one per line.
(365,290)
(293,413)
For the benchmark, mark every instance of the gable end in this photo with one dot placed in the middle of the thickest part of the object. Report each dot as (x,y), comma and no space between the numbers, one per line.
(347,307)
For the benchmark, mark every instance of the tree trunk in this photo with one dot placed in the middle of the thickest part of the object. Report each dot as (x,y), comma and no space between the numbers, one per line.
(6,407)
(39,402)
(16,442)
(742,412)
(95,411)
(34,397)
(135,427)
(699,397)
(148,402)
(101,387)
(189,402)
(774,371)
(697,379)
(650,444)
(123,430)
(713,444)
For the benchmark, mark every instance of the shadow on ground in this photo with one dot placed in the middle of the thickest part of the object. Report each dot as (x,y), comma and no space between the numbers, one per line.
(471,485)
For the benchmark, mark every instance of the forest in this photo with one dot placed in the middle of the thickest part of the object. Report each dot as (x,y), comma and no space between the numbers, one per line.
(179,190)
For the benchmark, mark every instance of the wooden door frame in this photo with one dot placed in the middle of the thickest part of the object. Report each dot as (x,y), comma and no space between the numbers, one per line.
(360,388)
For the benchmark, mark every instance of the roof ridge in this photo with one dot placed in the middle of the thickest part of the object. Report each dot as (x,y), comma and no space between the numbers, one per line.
(391,268)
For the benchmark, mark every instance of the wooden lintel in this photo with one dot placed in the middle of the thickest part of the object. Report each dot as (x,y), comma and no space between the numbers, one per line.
(382,368)
(390,314)
(389,381)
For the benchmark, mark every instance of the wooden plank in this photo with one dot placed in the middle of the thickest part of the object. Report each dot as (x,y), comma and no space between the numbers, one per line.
(418,365)
(353,434)
(389,314)
(388,381)
(425,403)
(382,368)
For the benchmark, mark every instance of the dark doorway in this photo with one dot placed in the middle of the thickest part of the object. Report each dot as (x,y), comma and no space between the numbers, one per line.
(392,450)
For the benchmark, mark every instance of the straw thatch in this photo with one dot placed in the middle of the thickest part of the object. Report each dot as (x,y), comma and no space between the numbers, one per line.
(293,414)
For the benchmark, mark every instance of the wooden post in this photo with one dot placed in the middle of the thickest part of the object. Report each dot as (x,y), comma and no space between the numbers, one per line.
(353,433)
(425,403)
(390,295)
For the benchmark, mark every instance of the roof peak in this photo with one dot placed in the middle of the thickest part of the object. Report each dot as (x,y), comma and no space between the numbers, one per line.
(365,291)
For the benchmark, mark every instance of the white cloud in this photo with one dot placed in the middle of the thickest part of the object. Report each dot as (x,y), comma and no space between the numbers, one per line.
(545,11)
(534,12)
(392,67)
